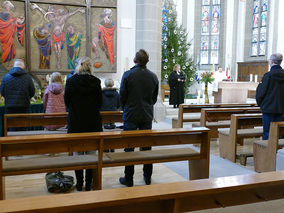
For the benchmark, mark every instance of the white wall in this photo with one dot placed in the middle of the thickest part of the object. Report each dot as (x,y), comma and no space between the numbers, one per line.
(280,41)
(190,23)
(240,35)
(126,27)
(178,4)
(229,34)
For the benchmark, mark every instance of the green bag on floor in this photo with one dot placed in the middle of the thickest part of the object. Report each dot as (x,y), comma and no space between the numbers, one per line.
(58,182)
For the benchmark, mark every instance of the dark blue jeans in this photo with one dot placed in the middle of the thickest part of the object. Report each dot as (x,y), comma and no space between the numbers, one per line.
(266,119)
(147,168)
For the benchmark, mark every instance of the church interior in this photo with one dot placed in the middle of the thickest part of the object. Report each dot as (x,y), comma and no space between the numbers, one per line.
(208,150)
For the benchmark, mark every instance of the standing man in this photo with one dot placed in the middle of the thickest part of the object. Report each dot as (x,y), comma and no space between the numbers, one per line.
(138,93)
(269,94)
(17,88)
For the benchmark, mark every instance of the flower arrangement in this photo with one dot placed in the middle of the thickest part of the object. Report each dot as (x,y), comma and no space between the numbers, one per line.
(207,77)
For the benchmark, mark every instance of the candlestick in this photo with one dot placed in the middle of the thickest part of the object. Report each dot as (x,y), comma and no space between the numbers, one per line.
(198,96)
(255,78)
(250,77)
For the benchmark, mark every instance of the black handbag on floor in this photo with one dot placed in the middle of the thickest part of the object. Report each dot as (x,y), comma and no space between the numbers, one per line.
(58,182)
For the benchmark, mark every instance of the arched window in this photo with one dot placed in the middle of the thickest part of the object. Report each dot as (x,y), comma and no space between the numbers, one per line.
(210,32)
(259,28)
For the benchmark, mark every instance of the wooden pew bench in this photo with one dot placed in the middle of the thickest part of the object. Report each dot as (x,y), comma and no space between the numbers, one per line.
(188,113)
(165,91)
(46,119)
(265,150)
(186,196)
(215,118)
(242,126)
(57,143)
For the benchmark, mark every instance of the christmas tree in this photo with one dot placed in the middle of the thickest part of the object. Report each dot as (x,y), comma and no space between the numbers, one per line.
(175,46)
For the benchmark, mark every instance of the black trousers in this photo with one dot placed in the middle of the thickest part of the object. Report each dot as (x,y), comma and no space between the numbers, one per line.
(80,176)
(147,168)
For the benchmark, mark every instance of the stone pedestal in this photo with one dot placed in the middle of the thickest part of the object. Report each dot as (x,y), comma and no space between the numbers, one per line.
(233,92)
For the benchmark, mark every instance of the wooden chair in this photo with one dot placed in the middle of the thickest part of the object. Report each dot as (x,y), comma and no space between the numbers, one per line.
(165,91)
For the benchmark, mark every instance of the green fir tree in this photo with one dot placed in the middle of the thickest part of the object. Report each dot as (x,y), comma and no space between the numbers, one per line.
(175,46)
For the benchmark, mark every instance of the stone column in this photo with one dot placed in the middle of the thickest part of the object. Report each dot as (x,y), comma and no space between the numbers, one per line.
(148,37)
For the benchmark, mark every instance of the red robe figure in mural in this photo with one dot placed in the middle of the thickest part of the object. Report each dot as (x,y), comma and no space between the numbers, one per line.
(8,26)
(106,31)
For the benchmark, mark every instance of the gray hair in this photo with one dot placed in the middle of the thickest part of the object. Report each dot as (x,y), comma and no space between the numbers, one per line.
(19,63)
(109,83)
(276,58)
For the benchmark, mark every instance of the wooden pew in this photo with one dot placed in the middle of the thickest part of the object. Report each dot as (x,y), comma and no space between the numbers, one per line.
(265,151)
(196,108)
(57,143)
(242,126)
(45,119)
(165,90)
(161,198)
(215,118)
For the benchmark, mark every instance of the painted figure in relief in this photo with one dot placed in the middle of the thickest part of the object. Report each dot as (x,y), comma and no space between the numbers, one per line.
(73,40)
(105,33)
(57,15)
(43,36)
(8,26)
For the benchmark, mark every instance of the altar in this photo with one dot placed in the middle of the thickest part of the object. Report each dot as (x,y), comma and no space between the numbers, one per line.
(233,92)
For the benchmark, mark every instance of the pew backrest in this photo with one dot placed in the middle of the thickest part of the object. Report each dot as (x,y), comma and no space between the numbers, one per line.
(195,108)
(222,114)
(45,119)
(184,196)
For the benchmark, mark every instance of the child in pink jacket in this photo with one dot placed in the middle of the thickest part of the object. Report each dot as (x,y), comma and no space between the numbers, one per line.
(53,98)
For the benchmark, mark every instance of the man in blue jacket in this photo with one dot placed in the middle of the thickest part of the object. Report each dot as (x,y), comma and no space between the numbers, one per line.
(270,95)
(138,94)
(17,88)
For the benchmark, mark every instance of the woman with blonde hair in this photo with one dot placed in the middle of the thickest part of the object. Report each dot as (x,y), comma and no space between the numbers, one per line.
(53,98)
(83,98)
(176,82)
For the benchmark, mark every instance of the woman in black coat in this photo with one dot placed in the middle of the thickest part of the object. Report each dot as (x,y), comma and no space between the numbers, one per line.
(83,99)
(176,82)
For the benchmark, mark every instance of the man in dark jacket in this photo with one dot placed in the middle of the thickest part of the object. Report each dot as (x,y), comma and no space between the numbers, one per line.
(270,95)
(138,93)
(17,88)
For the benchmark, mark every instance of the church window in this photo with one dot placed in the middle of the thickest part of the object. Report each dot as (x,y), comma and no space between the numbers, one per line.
(210,32)
(259,28)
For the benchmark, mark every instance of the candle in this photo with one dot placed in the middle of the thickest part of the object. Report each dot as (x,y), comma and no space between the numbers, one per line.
(255,78)
(198,96)
(250,77)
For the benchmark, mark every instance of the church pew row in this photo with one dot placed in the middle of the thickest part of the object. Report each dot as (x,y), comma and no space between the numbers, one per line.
(45,119)
(57,143)
(186,110)
(161,198)
(265,151)
(215,118)
(242,126)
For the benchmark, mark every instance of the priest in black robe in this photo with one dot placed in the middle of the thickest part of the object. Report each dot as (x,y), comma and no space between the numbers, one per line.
(176,82)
